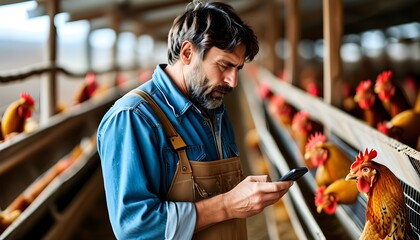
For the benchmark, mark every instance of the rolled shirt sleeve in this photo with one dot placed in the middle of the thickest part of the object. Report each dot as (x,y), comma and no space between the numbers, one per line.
(181,220)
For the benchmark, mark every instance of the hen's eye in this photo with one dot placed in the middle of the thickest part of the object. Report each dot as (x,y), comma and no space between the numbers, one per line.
(365,170)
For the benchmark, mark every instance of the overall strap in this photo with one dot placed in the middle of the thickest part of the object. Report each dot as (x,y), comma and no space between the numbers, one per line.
(176,140)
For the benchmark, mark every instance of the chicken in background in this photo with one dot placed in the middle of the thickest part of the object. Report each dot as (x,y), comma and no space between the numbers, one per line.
(330,161)
(264,91)
(15,209)
(312,89)
(303,127)
(348,104)
(121,80)
(87,89)
(386,211)
(411,87)
(282,111)
(338,192)
(404,127)
(310,79)
(16,115)
(392,97)
(373,110)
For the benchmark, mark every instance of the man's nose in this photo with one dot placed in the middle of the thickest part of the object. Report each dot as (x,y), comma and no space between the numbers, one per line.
(232,78)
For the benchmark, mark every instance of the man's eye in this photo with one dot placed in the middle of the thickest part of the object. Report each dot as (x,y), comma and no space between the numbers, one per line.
(223,67)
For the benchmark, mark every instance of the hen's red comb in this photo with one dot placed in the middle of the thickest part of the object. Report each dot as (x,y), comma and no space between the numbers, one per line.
(364,157)
(314,139)
(384,76)
(27,98)
(364,86)
(90,78)
(300,116)
(312,89)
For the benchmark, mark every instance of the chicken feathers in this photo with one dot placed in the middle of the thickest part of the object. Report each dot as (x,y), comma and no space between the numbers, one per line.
(16,114)
(386,211)
(338,192)
(330,161)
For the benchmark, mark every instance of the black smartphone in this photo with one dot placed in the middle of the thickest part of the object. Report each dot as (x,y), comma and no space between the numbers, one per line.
(294,174)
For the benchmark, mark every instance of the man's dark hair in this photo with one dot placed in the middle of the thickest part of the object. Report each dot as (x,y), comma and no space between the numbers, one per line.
(211,24)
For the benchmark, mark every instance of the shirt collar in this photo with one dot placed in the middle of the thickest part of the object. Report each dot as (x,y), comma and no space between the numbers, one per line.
(173,96)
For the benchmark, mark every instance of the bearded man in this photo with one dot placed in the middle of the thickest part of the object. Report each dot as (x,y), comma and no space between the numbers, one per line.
(170,164)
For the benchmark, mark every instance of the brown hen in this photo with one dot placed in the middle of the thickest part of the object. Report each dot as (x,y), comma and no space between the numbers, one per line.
(302,127)
(391,95)
(404,127)
(16,114)
(338,192)
(331,162)
(374,111)
(281,110)
(386,211)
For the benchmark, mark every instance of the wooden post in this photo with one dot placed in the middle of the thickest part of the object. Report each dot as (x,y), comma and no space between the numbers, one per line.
(89,51)
(292,34)
(138,31)
(272,16)
(48,96)
(115,20)
(333,30)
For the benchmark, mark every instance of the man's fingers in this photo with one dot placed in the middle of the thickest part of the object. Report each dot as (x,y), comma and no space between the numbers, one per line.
(269,187)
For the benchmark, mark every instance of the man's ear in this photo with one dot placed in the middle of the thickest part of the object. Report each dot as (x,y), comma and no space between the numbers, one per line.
(186,52)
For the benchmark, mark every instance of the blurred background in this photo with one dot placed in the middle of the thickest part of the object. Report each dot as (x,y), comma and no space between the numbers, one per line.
(76,57)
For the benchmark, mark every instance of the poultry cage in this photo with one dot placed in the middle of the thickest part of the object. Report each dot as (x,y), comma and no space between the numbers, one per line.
(351,135)
(61,202)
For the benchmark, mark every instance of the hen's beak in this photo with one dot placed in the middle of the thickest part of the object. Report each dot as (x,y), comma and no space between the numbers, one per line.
(319,208)
(351,176)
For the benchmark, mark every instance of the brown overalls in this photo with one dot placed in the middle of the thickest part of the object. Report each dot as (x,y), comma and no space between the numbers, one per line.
(194,181)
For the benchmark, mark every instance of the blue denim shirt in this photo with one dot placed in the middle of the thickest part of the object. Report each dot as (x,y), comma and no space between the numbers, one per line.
(138,163)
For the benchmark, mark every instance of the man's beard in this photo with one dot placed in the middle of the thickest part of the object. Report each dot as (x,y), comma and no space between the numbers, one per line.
(201,93)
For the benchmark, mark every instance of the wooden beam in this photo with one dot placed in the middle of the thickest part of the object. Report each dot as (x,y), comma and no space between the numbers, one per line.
(333,31)
(48,96)
(292,35)
(272,34)
(115,17)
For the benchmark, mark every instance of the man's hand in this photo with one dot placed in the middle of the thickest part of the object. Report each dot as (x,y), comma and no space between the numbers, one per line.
(248,198)
(252,195)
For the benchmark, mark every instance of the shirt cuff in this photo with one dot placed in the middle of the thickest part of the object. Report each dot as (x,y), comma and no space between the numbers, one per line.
(181,219)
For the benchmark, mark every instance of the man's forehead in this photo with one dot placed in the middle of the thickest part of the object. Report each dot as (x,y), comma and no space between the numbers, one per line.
(237,56)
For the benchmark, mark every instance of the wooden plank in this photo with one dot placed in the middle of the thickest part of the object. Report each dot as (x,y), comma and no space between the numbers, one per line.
(333,30)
